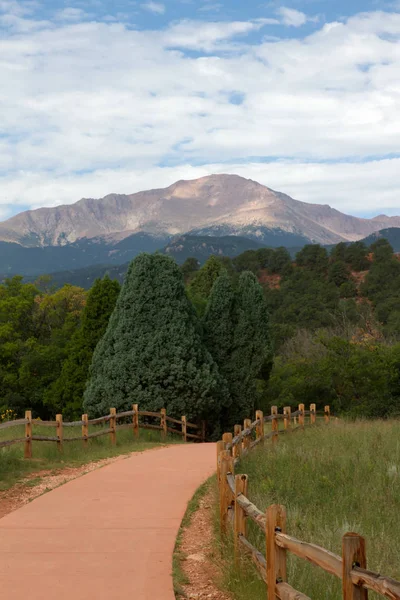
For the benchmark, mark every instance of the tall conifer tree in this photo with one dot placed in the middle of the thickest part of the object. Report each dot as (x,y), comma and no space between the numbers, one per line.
(152,353)
(236,331)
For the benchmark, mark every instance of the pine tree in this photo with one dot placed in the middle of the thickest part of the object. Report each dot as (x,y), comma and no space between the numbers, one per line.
(200,286)
(152,353)
(66,394)
(236,331)
(252,354)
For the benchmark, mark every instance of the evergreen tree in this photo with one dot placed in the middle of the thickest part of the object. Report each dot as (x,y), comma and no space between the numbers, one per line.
(189,268)
(252,354)
(236,330)
(313,257)
(152,353)
(219,323)
(200,286)
(66,394)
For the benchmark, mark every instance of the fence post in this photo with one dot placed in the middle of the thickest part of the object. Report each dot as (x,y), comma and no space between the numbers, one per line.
(260,426)
(227,439)
(247,439)
(224,491)
(327,415)
(60,433)
(353,554)
(184,429)
(113,434)
(287,420)
(313,411)
(163,423)
(135,419)
(220,449)
(276,556)
(301,415)
(241,483)
(28,435)
(275,424)
(237,449)
(85,430)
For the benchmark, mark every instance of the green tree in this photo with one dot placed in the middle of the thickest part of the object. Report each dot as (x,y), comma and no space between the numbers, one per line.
(357,256)
(200,286)
(382,250)
(314,257)
(189,268)
(152,352)
(338,273)
(66,393)
(338,252)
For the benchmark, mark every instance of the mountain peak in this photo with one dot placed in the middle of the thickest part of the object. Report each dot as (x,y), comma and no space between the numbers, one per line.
(225,203)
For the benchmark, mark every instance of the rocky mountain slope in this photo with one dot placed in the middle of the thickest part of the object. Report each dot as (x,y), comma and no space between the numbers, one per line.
(214,205)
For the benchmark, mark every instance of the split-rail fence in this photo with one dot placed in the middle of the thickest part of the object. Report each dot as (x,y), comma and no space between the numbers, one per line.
(236,509)
(166,426)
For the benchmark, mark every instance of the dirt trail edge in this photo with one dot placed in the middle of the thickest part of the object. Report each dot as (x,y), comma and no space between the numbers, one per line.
(108,534)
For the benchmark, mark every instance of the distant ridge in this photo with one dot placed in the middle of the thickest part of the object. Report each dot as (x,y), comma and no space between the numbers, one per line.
(216,205)
(197,247)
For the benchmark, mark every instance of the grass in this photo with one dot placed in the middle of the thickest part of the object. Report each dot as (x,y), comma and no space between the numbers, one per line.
(45,455)
(345,477)
(178,575)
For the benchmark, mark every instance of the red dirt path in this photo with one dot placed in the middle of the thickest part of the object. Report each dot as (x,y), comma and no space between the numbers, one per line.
(107,535)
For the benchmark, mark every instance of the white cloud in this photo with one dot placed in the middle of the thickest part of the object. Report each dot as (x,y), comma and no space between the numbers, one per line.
(203,35)
(89,108)
(155,7)
(292,17)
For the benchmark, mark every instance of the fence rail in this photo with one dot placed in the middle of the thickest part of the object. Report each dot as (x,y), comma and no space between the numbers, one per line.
(236,508)
(112,418)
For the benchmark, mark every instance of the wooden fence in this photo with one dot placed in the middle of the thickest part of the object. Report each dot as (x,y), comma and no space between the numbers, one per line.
(165,427)
(236,509)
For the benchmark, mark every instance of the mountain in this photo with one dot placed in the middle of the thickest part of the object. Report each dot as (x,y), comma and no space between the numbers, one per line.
(392,234)
(217,205)
(17,259)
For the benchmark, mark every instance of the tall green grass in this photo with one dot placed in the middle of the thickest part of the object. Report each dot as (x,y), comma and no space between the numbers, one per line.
(332,479)
(45,455)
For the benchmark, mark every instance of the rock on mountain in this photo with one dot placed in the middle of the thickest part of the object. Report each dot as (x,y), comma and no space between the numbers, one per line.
(219,204)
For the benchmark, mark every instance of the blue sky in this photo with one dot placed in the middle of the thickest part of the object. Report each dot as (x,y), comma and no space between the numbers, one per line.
(100,96)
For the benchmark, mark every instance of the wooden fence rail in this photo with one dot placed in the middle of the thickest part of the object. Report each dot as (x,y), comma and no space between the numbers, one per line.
(112,419)
(236,509)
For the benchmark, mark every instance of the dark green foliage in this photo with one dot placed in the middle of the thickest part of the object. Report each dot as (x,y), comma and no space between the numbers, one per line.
(252,351)
(152,352)
(34,332)
(236,331)
(247,261)
(304,300)
(313,257)
(66,393)
(339,252)
(338,273)
(200,286)
(357,256)
(189,268)
(360,378)
(382,286)
(382,251)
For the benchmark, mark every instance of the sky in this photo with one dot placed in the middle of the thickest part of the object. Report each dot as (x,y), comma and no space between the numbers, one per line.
(119,96)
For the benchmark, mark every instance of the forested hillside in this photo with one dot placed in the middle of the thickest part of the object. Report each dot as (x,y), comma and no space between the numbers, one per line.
(334,331)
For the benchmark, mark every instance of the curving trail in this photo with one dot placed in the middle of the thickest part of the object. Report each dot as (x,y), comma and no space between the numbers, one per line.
(107,535)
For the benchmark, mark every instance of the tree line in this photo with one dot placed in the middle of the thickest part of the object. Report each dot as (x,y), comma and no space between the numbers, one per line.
(210,342)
